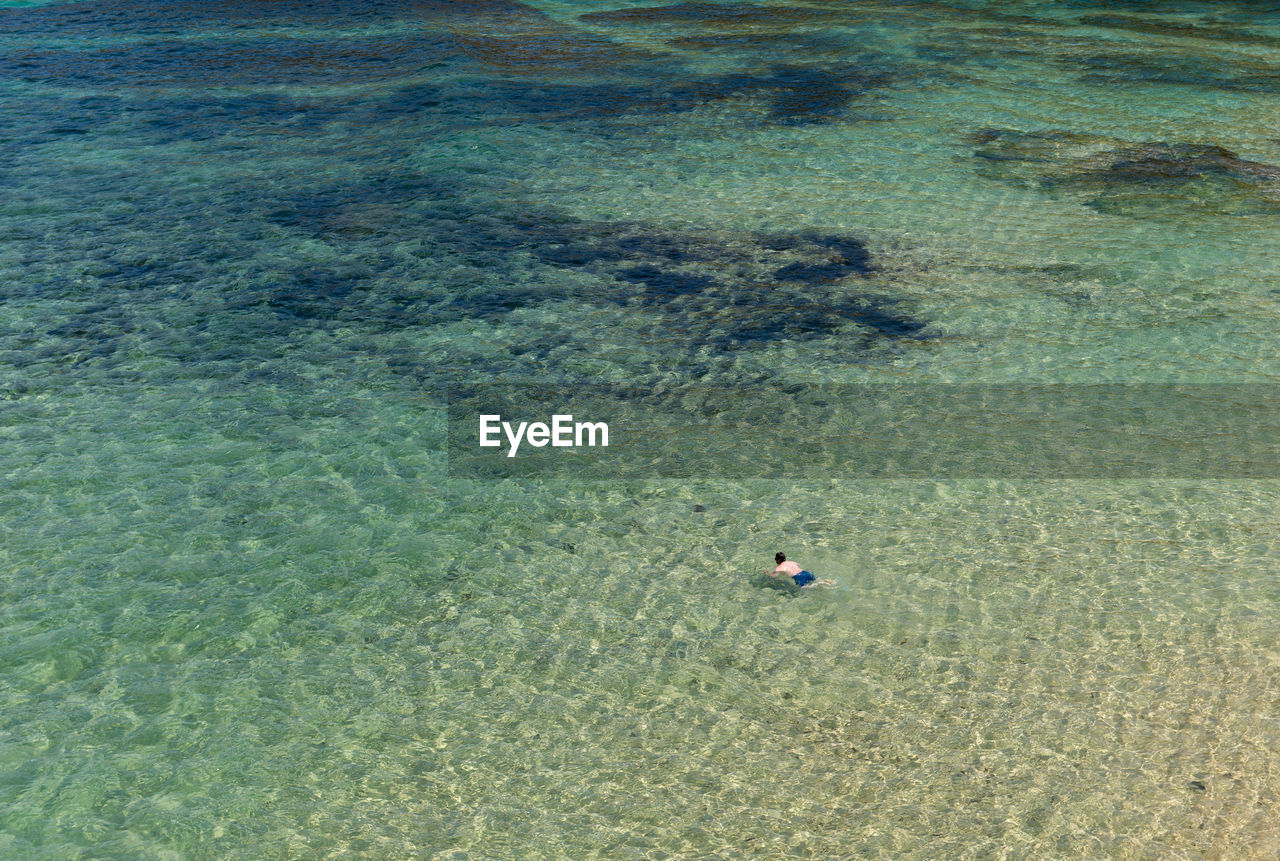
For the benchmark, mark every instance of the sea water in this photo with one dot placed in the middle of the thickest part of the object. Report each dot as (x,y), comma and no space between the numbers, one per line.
(248,611)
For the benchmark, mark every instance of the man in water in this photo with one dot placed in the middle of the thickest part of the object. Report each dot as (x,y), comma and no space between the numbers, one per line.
(792,570)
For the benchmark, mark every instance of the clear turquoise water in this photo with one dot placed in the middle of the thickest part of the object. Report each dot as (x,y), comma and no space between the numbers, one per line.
(247,613)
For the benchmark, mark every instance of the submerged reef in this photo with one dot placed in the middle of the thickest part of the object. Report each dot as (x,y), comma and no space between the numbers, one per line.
(1144,180)
(791,94)
(496,35)
(724,289)
(177,62)
(729,289)
(681,292)
(719,14)
(512,60)
(262,91)
(78,17)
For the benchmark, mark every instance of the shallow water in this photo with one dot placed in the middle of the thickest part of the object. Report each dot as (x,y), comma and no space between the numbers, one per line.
(249,612)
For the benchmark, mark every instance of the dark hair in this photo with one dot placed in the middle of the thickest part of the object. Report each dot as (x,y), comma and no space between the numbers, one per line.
(779,558)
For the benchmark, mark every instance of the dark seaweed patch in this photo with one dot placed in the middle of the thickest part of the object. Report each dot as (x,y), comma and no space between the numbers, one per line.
(230,62)
(746,300)
(97,321)
(411,100)
(803,94)
(498,35)
(491,304)
(661,284)
(572,254)
(1220,9)
(622,83)
(648,245)
(157,121)
(847,250)
(260,115)
(807,95)
(715,14)
(688,289)
(603,100)
(97,331)
(790,318)
(812,273)
(88,17)
(758,40)
(880,317)
(316,293)
(794,94)
(844,256)
(370,207)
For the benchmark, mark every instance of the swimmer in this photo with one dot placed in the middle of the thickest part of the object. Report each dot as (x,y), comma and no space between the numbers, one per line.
(803,579)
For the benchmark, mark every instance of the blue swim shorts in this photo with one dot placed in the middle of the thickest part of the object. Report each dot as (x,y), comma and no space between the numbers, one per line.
(804,578)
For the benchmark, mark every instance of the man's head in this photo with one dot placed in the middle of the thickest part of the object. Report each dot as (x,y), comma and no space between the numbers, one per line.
(779,558)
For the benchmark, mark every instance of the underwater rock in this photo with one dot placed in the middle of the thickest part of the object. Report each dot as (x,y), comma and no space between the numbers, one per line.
(1047,147)
(1150,179)
(1169,161)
